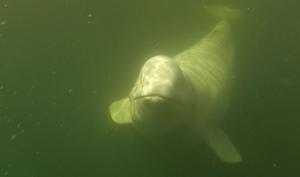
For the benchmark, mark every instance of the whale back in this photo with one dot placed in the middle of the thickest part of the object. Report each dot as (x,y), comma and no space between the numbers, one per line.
(209,64)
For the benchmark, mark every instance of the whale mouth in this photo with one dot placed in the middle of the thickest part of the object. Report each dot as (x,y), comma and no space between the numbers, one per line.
(156,98)
(155,108)
(157,114)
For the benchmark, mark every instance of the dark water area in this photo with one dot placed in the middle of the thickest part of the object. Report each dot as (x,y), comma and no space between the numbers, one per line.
(63,62)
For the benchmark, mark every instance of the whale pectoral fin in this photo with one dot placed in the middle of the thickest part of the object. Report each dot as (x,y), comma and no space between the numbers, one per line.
(120,111)
(223,147)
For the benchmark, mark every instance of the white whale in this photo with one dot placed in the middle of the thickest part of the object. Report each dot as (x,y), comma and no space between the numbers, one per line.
(188,90)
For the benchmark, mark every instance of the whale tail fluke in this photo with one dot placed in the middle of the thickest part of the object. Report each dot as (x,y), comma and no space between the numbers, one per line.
(225,13)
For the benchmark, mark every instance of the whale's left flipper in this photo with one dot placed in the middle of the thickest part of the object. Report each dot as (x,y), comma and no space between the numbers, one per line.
(223,147)
(120,112)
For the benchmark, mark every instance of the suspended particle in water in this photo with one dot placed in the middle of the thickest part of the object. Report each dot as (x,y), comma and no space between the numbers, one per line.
(13,137)
(253,132)
(284,81)
(5,5)
(32,102)
(37,153)
(53,72)
(1,87)
(2,23)
(90,15)
(38,123)
(70,91)
(95,91)
(5,173)
(274,165)
(68,134)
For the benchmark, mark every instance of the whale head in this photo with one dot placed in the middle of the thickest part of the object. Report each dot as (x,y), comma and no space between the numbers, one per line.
(162,97)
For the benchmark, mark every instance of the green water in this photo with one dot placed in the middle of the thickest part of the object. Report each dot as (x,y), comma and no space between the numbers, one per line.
(62,62)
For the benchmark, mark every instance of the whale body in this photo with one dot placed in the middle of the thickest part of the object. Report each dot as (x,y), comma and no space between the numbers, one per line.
(191,88)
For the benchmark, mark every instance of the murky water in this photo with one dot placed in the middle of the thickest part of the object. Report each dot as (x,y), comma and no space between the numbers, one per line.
(63,62)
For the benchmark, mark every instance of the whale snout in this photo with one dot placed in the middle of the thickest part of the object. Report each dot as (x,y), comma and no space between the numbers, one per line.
(153,107)
(157,114)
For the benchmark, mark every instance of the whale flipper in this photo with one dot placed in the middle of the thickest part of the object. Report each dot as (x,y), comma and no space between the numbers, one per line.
(120,111)
(223,147)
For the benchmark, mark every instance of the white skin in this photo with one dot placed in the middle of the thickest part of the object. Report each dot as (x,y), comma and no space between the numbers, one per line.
(198,80)
(191,88)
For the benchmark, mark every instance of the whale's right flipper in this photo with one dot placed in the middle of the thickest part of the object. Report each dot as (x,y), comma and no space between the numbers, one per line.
(223,147)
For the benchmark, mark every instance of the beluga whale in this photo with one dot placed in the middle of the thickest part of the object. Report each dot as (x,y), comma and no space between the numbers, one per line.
(190,90)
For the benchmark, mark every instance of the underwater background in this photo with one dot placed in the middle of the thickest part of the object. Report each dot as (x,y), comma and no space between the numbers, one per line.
(62,62)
